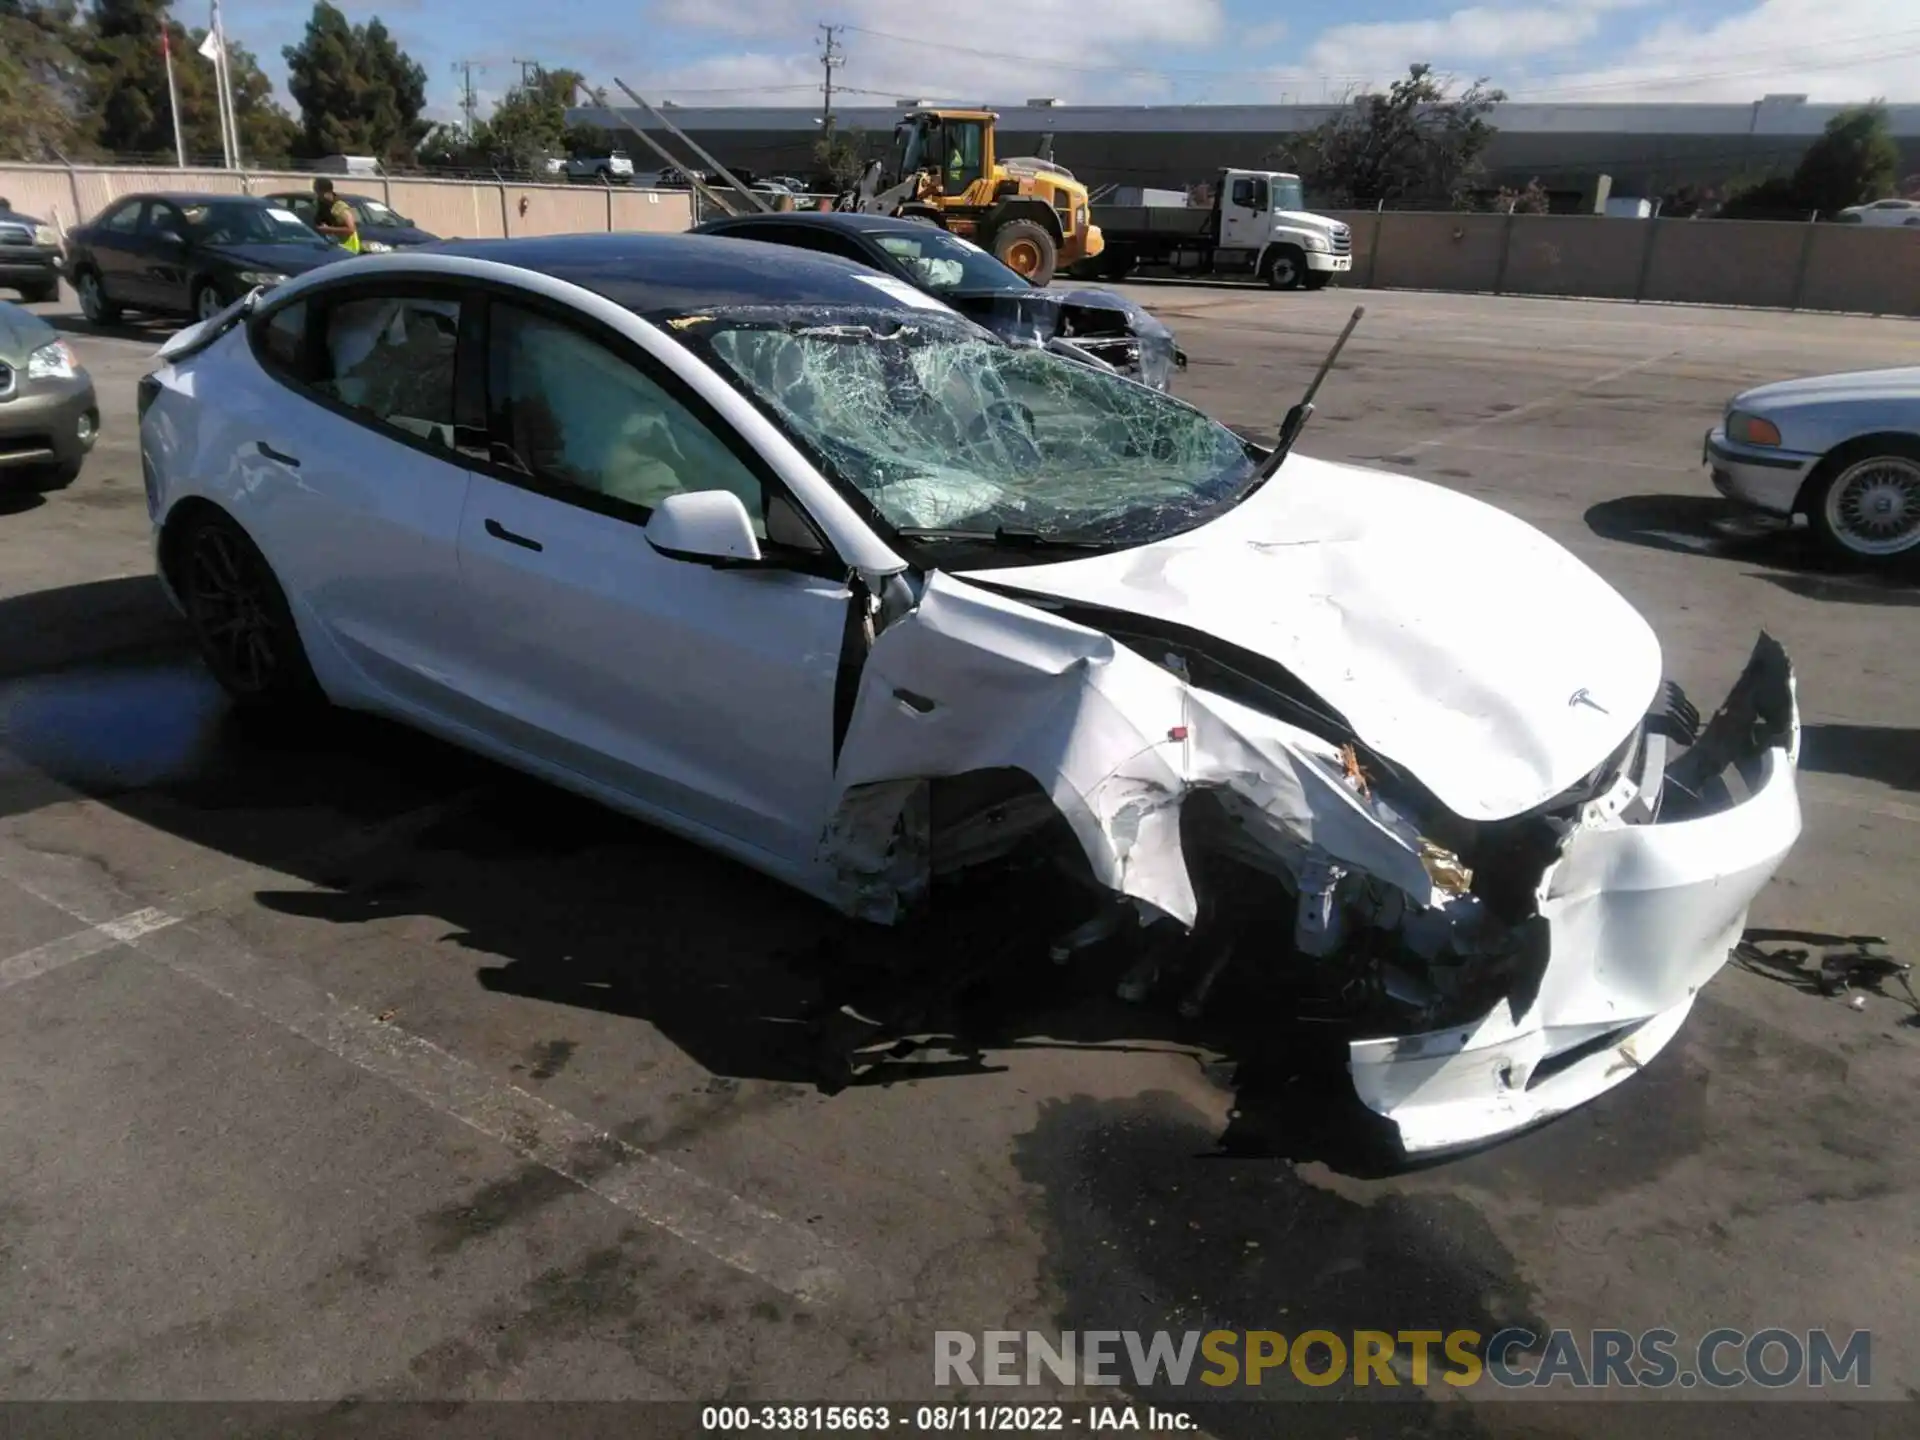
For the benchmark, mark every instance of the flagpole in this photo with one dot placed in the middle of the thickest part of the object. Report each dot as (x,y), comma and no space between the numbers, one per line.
(214,48)
(226,85)
(173,97)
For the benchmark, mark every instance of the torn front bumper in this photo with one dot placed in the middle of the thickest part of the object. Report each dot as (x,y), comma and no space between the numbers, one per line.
(1639,917)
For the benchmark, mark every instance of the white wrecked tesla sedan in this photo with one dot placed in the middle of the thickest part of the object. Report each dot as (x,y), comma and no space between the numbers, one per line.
(767,549)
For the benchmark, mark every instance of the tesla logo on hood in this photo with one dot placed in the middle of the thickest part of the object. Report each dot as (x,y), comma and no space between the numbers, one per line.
(1581,697)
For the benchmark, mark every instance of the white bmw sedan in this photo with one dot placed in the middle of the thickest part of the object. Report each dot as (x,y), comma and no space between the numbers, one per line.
(785,556)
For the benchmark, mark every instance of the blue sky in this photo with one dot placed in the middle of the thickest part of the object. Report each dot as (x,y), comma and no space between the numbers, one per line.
(1144,51)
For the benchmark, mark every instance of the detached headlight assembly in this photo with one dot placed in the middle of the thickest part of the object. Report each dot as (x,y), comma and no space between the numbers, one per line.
(45,235)
(1752,430)
(53,362)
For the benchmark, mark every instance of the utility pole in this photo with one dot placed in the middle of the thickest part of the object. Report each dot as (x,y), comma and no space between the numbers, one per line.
(531,73)
(468,105)
(831,59)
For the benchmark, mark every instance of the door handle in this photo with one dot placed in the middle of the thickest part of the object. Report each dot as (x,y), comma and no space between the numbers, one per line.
(272,454)
(500,532)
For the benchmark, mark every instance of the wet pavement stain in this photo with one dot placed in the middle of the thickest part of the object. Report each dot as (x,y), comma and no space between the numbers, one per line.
(550,1057)
(493,1208)
(1149,1228)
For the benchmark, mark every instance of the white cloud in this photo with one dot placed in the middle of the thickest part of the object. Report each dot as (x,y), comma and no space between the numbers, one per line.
(1828,50)
(1479,34)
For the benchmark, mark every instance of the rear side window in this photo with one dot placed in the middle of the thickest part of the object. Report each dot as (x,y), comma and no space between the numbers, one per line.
(391,359)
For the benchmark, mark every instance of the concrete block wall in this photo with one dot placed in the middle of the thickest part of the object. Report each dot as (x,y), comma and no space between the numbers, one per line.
(457,209)
(1703,262)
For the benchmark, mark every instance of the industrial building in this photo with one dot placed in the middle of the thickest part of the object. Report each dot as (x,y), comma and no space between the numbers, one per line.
(1647,149)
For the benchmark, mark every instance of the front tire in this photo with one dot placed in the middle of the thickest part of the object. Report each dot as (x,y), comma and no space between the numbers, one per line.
(240,618)
(93,300)
(1866,503)
(1025,247)
(206,302)
(1285,267)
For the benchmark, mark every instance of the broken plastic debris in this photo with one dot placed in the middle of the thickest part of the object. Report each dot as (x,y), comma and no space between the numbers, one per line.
(1449,872)
(1858,1002)
(1356,777)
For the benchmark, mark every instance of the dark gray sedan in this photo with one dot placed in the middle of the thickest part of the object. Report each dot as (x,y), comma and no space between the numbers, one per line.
(1094,325)
(48,414)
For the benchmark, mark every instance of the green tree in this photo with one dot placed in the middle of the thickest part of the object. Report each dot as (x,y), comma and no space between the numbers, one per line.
(839,156)
(359,93)
(529,122)
(126,89)
(1856,159)
(1419,141)
(41,81)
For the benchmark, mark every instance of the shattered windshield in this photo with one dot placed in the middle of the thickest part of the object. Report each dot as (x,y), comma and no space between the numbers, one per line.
(945,263)
(944,429)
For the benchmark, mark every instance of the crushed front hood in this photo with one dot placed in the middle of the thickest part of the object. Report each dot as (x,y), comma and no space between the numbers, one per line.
(1457,640)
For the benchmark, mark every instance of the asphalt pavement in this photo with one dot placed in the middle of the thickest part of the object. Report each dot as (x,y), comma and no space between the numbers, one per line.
(339,1064)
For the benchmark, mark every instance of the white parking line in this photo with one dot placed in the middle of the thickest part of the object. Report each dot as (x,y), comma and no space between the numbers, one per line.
(733,1230)
(1534,407)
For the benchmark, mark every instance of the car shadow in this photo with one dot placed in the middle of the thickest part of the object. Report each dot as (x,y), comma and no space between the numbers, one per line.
(1889,754)
(1706,525)
(17,497)
(561,900)
(139,327)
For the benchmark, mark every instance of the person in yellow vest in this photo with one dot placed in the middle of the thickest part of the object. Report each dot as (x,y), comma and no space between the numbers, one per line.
(333,217)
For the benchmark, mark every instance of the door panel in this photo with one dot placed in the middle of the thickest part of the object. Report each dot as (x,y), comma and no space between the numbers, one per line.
(115,249)
(363,525)
(705,692)
(164,269)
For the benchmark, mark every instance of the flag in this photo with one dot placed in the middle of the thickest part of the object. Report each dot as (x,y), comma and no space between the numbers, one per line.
(210,47)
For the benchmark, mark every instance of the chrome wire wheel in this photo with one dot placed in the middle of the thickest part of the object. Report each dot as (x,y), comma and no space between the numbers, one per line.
(1872,508)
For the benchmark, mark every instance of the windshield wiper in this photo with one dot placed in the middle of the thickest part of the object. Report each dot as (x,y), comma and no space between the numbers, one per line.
(1004,535)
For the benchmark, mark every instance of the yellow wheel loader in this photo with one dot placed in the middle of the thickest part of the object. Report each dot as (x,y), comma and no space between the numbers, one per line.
(1028,212)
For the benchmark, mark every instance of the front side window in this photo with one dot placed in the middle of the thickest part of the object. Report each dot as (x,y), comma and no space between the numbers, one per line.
(961,146)
(1250,194)
(580,418)
(941,428)
(281,340)
(125,220)
(391,359)
(941,261)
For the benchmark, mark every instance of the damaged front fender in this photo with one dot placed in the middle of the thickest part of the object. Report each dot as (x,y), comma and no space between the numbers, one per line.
(971,681)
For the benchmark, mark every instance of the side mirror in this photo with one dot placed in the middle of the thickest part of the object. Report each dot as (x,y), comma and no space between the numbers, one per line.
(709,527)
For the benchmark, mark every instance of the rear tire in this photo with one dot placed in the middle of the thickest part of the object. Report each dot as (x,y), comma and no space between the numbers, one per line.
(1025,247)
(206,302)
(240,618)
(1864,504)
(93,299)
(1286,266)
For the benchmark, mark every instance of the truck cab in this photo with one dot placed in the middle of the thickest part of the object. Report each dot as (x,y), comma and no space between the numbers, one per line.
(1264,226)
(1255,223)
